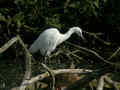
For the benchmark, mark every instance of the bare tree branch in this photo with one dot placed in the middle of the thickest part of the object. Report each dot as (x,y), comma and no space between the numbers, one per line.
(56,72)
(95,35)
(79,84)
(8,44)
(52,74)
(112,83)
(114,54)
(28,59)
(94,53)
(100,84)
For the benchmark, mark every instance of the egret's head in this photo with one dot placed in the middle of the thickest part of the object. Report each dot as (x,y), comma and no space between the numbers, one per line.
(78,31)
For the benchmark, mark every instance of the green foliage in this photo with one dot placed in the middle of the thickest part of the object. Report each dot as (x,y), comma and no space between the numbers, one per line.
(50,13)
(2,18)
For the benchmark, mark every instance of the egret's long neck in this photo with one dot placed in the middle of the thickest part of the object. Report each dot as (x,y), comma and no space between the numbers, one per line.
(66,36)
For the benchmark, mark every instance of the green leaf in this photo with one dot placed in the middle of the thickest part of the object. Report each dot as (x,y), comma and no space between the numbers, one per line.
(96,3)
(19,24)
(72,5)
(2,18)
(105,1)
(19,16)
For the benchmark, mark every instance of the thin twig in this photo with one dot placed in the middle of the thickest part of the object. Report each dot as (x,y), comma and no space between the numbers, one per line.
(56,54)
(95,35)
(80,58)
(114,54)
(73,52)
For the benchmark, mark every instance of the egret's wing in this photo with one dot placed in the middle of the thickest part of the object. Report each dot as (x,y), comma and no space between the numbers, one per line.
(48,42)
(52,43)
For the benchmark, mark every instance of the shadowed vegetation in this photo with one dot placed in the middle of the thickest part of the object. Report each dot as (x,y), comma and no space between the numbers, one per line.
(99,20)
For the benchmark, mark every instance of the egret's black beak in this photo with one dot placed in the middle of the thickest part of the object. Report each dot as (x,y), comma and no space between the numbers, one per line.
(83,38)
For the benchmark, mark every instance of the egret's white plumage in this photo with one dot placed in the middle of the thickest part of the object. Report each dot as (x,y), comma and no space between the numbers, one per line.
(50,39)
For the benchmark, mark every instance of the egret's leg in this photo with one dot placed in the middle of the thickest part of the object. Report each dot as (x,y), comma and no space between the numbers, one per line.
(45,60)
(49,61)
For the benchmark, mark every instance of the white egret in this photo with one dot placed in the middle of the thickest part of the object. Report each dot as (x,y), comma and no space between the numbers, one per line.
(48,40)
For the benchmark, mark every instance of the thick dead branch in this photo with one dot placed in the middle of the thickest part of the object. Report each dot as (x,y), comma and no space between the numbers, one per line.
(28,59)
(112,83)
(100,84)
(8,44)
(56,72)
(81,83)
(87,78)
(59,71)
(15,88)
(28,55)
